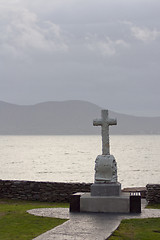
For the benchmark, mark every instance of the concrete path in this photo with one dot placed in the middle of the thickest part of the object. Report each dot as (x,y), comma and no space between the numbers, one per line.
(86,226)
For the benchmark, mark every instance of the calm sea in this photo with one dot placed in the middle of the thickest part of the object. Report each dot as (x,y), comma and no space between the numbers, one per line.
(71,158)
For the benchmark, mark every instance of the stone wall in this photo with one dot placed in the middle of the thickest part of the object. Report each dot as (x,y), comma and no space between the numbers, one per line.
(153,193)
(61,192)
(41,191)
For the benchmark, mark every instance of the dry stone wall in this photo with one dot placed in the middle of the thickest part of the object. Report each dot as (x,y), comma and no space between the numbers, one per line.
(153,193)
(60,191)
(41,191)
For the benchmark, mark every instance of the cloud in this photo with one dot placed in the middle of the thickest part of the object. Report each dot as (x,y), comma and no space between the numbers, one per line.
(22,32)
(107,46)
(67,49)
(145,34)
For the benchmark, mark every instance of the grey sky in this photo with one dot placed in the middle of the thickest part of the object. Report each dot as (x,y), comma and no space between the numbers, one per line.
(106,52)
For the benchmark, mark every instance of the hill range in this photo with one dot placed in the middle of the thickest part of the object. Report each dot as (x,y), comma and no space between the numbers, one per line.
(68,118)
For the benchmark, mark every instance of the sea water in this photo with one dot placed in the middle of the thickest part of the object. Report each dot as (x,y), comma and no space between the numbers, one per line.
(72,158)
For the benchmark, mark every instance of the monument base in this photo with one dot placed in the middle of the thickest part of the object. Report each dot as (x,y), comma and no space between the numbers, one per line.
(106,189)
(105,204)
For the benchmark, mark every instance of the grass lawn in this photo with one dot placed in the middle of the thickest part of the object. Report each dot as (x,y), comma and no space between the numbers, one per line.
(138,229)
(155,206)
(17,224)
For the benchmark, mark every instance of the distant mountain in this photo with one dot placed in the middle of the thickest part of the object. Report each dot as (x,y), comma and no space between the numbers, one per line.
(68,117)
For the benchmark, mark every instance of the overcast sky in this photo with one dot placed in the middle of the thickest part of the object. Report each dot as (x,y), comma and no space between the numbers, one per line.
(103,51)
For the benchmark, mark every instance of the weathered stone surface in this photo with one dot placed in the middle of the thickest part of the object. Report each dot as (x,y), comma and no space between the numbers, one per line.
(105,122)
(110,189)
(105,164)
(105,169)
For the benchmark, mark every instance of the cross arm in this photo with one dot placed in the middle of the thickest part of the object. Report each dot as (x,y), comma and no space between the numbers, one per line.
(112,121)
(97,122)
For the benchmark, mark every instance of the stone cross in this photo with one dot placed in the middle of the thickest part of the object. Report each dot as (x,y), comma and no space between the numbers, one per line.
(105,122)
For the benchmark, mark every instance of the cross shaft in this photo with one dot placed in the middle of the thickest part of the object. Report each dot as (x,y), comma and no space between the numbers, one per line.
(105,122)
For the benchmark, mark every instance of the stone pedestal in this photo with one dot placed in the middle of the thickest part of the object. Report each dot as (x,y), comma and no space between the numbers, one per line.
(105,204)
(106,189)
(124,203)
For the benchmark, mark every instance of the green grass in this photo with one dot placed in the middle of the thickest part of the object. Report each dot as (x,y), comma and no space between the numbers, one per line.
(155,206)
(138,229)
(17,224)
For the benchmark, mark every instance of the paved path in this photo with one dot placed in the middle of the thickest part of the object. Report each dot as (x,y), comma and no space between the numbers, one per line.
(86,226)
